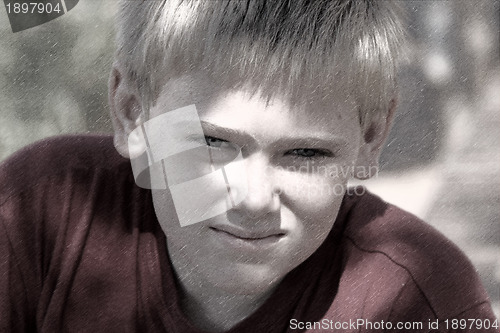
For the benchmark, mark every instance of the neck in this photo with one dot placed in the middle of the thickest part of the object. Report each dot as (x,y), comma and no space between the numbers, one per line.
(213,309)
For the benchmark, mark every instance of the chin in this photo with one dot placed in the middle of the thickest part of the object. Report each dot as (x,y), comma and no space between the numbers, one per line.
(247,279)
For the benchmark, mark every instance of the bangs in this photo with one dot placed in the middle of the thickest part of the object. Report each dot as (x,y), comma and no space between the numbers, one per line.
(301,50)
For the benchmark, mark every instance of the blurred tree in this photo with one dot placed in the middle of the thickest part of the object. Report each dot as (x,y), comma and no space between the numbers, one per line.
(55,81)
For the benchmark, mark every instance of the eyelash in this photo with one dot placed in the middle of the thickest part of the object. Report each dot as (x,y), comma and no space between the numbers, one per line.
(318,153)
(207,138)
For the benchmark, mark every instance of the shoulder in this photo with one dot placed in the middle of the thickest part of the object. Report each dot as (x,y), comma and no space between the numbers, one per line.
(57,189)
(56,156)
(57,153)
(56,181)
(434,267)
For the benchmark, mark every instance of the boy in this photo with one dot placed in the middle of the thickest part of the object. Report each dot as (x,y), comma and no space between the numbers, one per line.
(240,123)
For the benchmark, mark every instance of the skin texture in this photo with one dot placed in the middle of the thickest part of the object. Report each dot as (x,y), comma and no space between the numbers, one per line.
(229,265)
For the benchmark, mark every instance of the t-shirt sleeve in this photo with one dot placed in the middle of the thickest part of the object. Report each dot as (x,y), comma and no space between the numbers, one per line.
(411,308)
(19,261)
(16,313)
(27,231)
(435,280)
(49,195)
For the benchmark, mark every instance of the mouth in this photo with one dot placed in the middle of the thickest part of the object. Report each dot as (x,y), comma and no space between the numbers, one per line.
(248,242)
(248,235)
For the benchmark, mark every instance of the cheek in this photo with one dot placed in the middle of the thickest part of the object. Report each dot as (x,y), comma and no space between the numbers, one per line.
(313,200)
(313,192)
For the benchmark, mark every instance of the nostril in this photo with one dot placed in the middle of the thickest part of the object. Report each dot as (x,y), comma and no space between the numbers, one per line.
(277,191)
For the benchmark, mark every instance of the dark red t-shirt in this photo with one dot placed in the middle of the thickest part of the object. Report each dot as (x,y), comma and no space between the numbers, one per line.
(81,251)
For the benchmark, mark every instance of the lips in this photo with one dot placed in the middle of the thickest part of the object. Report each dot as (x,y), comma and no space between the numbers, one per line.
(249,235)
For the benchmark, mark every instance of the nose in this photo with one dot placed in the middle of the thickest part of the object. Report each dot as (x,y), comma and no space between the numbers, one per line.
(263,191)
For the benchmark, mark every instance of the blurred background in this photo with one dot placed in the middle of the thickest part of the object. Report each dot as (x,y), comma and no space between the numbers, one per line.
(442,160)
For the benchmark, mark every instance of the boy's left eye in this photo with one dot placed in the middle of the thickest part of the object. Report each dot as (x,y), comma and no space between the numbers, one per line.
(309,153)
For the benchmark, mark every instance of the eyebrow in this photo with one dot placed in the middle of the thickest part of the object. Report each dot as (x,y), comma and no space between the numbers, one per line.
(319,140)
(209,127)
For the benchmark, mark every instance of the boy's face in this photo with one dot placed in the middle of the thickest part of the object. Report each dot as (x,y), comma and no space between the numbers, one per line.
(297,163)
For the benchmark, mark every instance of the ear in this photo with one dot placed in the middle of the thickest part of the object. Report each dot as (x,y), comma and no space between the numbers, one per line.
(126,112)
(372,141)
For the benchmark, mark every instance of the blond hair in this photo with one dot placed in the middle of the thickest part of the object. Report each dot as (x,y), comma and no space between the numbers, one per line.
(300,49)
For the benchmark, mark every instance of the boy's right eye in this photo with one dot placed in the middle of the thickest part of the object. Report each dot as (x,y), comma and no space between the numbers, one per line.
(214,142)
(221,151)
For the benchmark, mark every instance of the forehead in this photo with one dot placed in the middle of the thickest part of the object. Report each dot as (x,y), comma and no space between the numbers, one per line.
(244,108)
